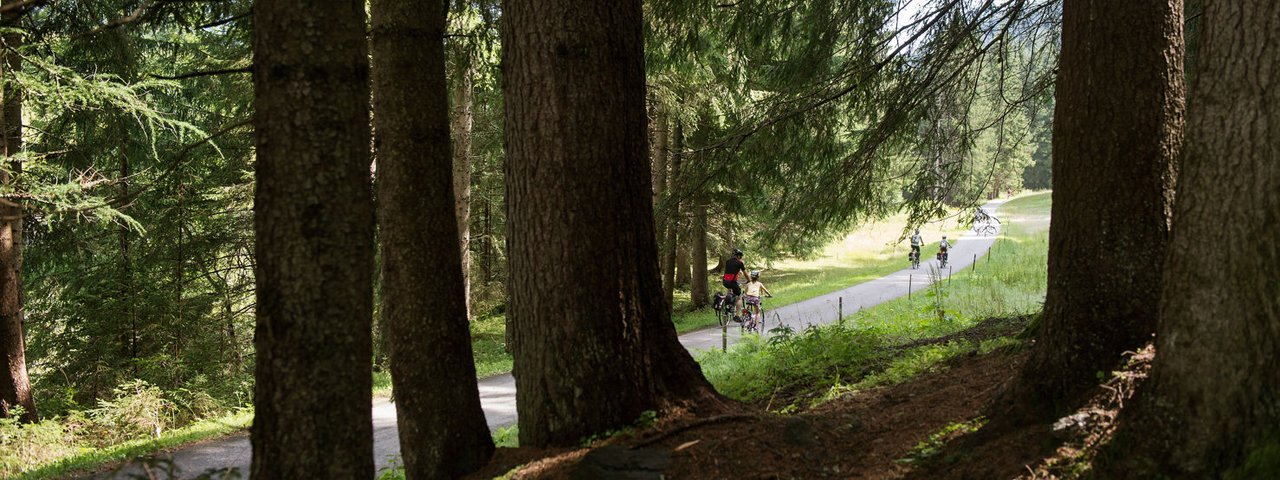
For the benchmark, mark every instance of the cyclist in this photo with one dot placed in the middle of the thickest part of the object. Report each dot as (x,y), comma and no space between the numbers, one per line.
(942,248)
(754,289)
(732,273)
(916,242)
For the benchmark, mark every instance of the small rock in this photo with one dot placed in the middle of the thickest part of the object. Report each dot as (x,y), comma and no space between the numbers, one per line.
(1071,425)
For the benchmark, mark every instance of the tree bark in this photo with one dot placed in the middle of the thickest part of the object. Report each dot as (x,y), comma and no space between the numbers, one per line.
(595,344)
(659,152)
(1213,396)
(313,220)
(671,222)
(1117,133)
(699,296)
(16,388)
(443,433)
(678,221)
(462,124)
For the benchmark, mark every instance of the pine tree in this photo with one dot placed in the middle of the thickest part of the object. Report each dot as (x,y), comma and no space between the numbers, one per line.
(1117,133)
(596,355)
(442,428)
(1210,404)
(313,220)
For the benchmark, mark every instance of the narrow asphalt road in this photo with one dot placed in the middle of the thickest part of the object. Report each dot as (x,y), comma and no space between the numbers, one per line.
(498,393)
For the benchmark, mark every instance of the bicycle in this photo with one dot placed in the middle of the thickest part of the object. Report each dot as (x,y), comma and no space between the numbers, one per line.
(752,315)
(724,306)
(942,259)
(914,257)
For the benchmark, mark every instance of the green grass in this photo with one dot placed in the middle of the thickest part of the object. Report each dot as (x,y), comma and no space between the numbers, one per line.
(821,363)
(488,345)
(87,458)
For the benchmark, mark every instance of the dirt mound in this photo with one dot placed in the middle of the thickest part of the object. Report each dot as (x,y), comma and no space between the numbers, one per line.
(870,434)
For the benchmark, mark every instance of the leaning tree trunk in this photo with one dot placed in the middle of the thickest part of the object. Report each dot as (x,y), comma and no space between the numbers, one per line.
(443,433)
(1213,396)
(698,293)
(15,390)
(1116,134)
(595,344)
(313,219)
(462,124)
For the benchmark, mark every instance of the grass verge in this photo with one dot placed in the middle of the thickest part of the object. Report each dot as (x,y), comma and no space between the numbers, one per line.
(87,458)
(882,345)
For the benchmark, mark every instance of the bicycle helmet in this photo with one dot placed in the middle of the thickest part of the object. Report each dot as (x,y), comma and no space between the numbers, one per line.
(755,274)
(737,252)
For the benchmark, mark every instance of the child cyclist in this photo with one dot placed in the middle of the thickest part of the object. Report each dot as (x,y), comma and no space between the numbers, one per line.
(753,290)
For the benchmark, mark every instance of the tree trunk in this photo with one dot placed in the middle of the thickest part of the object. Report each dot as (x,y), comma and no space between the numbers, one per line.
(16,388)
(659,152)
(698,290)
(1213,396)
(671,222)
(678,221)
(443,433)
(313,223)
(1117,133)
(595,344)
(462,123)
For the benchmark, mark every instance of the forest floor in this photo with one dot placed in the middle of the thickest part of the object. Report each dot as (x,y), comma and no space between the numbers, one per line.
(927,427)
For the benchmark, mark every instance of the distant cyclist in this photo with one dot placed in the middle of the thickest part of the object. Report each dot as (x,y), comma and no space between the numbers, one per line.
(942,248)
(916,242)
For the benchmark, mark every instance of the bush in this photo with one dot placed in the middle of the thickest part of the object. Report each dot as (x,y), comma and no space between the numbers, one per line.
(138,409)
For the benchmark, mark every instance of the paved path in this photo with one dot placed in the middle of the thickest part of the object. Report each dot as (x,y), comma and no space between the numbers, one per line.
(498,394)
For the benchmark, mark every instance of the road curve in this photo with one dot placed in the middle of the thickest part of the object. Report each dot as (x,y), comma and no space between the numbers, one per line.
(498,393)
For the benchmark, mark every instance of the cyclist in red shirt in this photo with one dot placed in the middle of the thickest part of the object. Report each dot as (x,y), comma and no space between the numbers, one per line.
(734,269)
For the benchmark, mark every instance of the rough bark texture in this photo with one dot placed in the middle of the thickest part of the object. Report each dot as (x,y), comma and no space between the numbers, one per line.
(1214,392)
(659,152)
(1117,131)
(462,123)
(313,219)
(443,433)
(699,297)
(595,344)
(15,390)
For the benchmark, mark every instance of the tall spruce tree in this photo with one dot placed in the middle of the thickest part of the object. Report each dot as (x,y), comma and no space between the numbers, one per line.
(595,346)
(442,428)
(15,388)
(1116,135)
(313,222)
(1212,402)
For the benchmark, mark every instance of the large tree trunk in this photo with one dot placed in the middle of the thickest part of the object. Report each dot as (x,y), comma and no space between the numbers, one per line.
(1213,396)
(313,219)
(698,290)
(462,123)
(442,428)
(15,390)
(1116,134)
(595,344)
